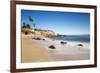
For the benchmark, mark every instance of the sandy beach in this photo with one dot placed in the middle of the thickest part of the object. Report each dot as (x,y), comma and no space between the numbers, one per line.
(31,51)
(54,36)
(39,51)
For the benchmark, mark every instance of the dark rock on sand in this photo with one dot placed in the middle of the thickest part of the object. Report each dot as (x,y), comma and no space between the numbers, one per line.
(62,42)
(37,38)
(79,45)
(26,33)
(43,39)
(52,47)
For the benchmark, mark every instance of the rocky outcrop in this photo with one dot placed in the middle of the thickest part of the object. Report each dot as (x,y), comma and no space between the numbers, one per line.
(27,30)
(47,33)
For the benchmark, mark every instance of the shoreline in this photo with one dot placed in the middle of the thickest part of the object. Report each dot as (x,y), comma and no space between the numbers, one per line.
(38,50)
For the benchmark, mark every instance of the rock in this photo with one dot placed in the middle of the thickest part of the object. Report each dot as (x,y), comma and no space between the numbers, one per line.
(26,33)
(79,45)
(43,39)
(37,38)
(52,47)
(62,42)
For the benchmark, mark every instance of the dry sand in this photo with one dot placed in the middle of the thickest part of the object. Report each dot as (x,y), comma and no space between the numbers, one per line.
(38,51)
(31,52)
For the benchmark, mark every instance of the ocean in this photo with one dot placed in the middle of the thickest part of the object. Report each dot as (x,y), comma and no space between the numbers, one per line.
(78,38)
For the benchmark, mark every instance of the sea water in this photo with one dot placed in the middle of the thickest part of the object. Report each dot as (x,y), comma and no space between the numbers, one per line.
(78,38)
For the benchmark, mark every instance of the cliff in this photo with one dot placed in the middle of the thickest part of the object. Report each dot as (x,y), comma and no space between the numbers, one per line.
(42,32)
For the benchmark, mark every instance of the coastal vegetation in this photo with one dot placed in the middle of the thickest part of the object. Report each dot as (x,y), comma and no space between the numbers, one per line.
(27,29)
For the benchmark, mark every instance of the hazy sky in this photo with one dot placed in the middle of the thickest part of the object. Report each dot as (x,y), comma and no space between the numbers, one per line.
(60,22)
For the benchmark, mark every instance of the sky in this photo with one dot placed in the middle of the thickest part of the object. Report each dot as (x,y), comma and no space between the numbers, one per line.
(69,23)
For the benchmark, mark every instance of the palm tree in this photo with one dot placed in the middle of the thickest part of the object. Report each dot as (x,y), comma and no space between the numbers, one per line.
(32,21)
(24,25)
(28,26)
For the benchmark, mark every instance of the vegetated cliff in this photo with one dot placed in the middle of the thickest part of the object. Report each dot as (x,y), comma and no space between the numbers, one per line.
(47,33)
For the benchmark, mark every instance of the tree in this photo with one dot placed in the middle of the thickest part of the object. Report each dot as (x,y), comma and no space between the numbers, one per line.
(28,26)
(32,21)
(24,25)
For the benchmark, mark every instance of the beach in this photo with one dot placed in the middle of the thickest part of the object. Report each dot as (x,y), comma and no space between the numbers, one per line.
(38,50)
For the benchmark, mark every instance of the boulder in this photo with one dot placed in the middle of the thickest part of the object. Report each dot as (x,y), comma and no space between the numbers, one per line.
(43,39)
(37,38)
(79,45)
(62,42)
(52,47)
